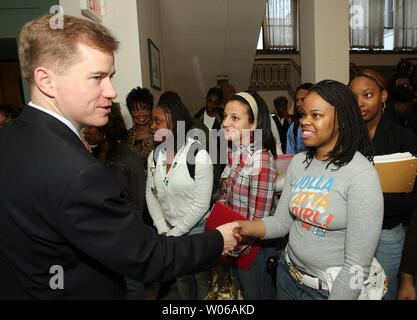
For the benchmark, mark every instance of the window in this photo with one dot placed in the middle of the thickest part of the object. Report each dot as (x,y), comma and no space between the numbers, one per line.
(279,28)
(405,25)
(366,24)
(383,24)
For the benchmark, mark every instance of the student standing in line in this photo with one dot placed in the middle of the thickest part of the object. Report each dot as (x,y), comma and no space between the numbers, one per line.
(248,180)
(294,138)
(387,137)
(212,115)
(178,195)
(139,102)
(282,119)
(331,204)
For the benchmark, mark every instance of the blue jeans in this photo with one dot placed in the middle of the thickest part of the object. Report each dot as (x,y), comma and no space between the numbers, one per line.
(289,289)
(388,253)
(256,281)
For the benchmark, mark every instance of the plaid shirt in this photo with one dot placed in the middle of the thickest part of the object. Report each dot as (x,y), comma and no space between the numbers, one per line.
(248,182)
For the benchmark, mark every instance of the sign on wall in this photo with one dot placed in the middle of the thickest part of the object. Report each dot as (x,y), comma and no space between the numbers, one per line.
(93,9)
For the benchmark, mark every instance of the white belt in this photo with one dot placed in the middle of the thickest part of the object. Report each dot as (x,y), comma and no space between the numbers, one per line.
(304,279)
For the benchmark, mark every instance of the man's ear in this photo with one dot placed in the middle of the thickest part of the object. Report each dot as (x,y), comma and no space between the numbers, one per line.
(43,79)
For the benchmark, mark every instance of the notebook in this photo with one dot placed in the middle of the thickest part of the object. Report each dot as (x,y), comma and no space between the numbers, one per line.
(221,214)
(397,171)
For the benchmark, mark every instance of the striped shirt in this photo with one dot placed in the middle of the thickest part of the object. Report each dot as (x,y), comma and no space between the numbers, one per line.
(248,182)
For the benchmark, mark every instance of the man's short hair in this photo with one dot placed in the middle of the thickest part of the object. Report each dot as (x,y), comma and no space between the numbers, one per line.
(137,96)
(57,48)
(280,101)
(215,91)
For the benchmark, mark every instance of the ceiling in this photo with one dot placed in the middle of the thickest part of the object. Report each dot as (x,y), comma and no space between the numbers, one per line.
(205,39)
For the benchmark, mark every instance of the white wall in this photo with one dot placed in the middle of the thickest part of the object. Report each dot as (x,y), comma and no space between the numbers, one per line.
(324,40)
(122,20)
(207,38)
(149,24)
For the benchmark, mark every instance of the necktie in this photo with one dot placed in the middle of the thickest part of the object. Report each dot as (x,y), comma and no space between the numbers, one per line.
(86,145)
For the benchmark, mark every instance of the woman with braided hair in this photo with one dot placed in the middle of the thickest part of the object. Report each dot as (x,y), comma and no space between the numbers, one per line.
(387,137)
(331,204)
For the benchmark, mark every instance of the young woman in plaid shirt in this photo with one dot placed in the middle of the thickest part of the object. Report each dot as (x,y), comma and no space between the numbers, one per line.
(248,179)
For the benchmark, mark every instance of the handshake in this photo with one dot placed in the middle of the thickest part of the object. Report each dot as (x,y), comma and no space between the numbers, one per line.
(231,235)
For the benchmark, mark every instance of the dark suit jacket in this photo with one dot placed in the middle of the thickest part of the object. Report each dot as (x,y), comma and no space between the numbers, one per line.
(60,206)
(128,170)
(217,122)
(282,130)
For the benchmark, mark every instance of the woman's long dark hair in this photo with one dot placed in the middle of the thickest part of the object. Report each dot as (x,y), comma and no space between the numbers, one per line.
(175,111)
(115,130)
(263,121)
(353,133)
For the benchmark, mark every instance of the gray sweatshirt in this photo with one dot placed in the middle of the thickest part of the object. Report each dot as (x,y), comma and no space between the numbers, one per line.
(333,218)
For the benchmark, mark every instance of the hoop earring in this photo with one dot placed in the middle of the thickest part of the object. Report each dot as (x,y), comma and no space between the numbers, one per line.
(384,107)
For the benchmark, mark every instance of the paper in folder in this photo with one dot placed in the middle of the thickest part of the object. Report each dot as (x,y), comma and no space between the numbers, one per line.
(397,171)
(221,214)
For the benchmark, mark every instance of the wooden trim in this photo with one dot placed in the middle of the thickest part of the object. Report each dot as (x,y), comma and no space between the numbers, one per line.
(277,51)
(272,59)
(382,52)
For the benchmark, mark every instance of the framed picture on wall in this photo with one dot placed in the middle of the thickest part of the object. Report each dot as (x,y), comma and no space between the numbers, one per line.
(154,65)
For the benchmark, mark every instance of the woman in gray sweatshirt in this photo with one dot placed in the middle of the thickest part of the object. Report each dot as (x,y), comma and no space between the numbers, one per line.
(331,205)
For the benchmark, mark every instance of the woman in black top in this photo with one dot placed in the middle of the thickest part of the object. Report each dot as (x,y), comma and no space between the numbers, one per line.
(109,148)
(387,137)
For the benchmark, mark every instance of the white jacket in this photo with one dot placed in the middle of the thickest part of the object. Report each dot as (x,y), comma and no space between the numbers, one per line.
(175,197)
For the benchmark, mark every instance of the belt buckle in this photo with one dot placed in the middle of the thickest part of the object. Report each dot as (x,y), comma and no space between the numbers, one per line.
(296,274)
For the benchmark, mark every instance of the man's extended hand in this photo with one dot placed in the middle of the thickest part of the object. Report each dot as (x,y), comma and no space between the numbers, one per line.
(228,233)
(239,238)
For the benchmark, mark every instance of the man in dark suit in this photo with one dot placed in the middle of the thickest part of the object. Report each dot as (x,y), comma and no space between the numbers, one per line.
(282,119)
(212,115)
(65,229)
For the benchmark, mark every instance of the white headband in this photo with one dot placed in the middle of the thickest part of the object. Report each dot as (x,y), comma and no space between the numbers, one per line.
(252,103)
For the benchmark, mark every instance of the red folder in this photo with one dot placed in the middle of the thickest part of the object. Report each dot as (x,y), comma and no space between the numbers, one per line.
(221,214)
